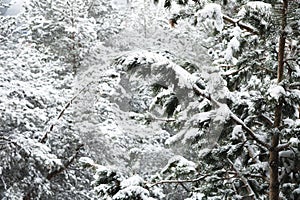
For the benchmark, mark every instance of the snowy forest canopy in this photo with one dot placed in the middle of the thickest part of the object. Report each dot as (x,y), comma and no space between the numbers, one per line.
(152,99)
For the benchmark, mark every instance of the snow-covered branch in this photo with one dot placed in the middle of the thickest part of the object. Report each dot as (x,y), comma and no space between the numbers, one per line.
(243,178)
(66,165)
(240,24)
(178,181)
(282,147)
(45,136)
(233,117)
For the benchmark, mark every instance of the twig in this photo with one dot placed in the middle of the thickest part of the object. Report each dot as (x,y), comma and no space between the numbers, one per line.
(266,119)
(4,184)
(45,136)
(294,85)
(268,70)
(178,181)
(184,187)
(240,24)
(244,180)
(152,117)
(281,147)
(66,165)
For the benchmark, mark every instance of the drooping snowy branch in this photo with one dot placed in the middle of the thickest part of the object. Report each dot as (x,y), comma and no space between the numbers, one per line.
(233,117)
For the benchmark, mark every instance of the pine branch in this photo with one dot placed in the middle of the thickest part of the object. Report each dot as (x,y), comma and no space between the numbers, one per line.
(242,25)
(45,136)
(178,181)
(243,178)
(66,165)
(28,195)
(282,147)
(233,117)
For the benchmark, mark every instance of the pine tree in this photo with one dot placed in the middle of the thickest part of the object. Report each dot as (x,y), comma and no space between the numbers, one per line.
(34,165)
(246,52)
(62,26)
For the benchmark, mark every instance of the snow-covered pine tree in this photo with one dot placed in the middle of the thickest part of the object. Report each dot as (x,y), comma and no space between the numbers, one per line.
(254,45)
(35,87)
(63,27)
(108,16)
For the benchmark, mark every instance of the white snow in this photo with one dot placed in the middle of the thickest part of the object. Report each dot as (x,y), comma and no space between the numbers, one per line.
(182,164)
(87,160)
(132,191)
(294,141)
(236,132)
(289,122)
(259,6)
(222,113)
(212,11)
(234,43)
(134,180)
(297,191)
(276,91)
(286,154)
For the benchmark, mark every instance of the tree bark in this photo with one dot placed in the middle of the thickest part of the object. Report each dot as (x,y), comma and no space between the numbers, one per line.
(274,153)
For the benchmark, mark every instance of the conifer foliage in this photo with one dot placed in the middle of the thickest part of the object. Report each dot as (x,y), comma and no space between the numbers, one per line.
(64,27)
(194,99)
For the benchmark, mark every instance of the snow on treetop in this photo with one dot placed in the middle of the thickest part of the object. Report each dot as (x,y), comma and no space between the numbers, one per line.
(255,7)
(135,180)
(179,163)
(212,11)
(259,6)
(135,192)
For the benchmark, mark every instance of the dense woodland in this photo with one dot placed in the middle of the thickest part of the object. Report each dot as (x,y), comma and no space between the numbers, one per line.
(152,99)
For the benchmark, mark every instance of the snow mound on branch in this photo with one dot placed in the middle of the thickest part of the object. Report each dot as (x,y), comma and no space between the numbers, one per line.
(133,192)
(259,6)
(180,164)
(135,180)
(276,91)
(153,63)
(212,14)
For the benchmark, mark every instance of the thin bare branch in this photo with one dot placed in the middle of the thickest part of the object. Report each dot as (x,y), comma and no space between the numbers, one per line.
(266,119)
(178,181)
(282,147)
(244,180)
(45,136)
(242,25)
(66,165)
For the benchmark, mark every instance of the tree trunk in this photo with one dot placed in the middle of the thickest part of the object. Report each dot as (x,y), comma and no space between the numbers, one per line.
(274,155)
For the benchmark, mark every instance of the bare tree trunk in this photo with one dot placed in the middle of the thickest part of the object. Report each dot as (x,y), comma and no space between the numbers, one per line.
(274,154)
